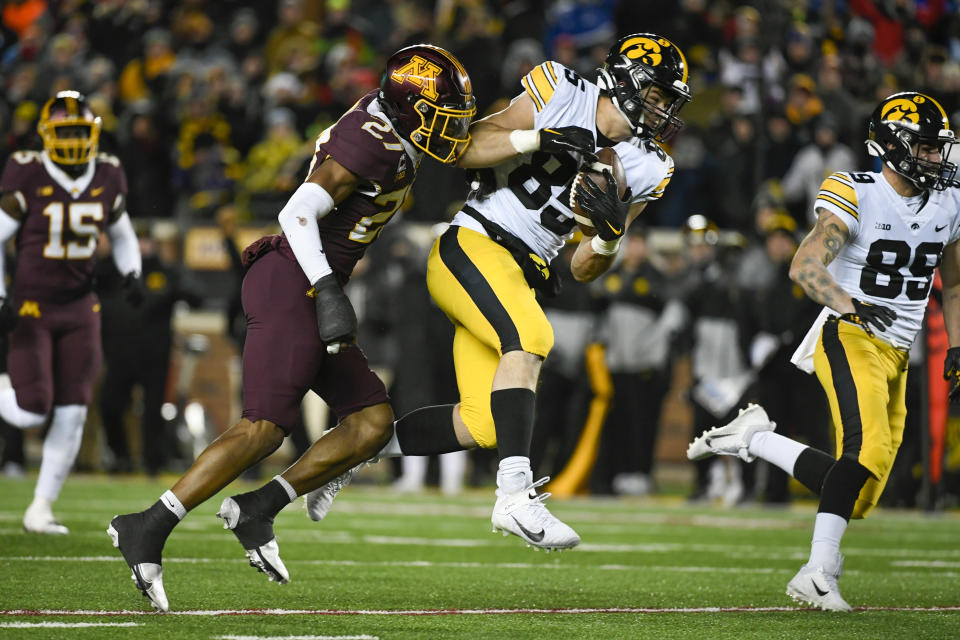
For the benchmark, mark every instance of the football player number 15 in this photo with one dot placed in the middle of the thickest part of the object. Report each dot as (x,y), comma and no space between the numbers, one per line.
(82,219)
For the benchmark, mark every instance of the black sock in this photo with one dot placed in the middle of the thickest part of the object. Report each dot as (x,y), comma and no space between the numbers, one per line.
(842,486)
(811,468)
(428,431)
(513,411)
(159,521)
(267,501)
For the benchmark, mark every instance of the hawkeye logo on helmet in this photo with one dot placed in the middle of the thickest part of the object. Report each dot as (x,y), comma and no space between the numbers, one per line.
(646,49)
(421,73)
(902,109)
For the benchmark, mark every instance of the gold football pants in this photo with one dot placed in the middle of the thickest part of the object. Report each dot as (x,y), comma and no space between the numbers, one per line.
(865,380)
(480,287)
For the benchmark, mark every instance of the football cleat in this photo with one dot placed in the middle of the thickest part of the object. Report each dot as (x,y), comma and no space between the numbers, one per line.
(127,533)
(39,519)
(319,501)
(255,533)
(523,514)
(817,586)
(732,439)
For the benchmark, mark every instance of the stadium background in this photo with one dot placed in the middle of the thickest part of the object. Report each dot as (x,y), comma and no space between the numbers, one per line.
(212,107)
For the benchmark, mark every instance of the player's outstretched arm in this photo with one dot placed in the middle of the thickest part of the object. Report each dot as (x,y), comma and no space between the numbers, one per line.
(511,132)
(809,266)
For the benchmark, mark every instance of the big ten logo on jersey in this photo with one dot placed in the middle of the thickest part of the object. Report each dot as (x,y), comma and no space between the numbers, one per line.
(421,73)
(647,50)
(903,109)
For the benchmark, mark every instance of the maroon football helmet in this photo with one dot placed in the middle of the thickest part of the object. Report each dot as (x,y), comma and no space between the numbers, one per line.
(427,94)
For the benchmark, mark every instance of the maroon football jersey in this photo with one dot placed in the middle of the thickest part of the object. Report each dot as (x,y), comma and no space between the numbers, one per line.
(59,229)
(363,142)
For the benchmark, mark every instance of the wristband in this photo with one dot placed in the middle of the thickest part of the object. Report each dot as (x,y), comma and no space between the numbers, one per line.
(605,247)
(525,140)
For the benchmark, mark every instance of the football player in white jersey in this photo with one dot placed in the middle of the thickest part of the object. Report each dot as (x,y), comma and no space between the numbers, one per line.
(483,271)
(870,261)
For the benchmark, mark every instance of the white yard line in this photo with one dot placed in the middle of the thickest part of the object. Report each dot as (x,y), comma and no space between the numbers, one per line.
(447,612)
(296,637)
(523,566)
(65,625)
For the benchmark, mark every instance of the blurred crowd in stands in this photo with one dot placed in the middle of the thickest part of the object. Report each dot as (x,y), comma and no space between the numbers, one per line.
(213,106)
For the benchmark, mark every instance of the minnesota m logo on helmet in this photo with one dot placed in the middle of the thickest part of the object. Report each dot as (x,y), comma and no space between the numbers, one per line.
(421,73)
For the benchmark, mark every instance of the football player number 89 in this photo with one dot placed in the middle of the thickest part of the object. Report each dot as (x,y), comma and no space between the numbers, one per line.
(547,170)
(925,260)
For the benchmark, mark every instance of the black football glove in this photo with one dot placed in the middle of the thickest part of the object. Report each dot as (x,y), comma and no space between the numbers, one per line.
(132,287)
(563,139)
(951,372)
(867,313)
(8,316)
(336,318)
(607,211)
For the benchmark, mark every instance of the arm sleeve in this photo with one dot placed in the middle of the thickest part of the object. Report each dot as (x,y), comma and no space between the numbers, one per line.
(126,247)
(298,219)
(8,227)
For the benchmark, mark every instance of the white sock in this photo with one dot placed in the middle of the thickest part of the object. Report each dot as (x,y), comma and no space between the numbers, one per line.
(827,533)
(514,474)
(60,449)
(414,472)
(776,449)
(13,415)
(172,502)
(392,448)
(453,466)
(291,492)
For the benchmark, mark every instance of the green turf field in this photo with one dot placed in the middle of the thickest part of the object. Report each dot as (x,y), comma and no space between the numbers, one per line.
(390,566)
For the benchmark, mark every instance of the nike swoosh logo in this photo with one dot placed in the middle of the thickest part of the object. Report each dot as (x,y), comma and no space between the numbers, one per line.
(614,229)
(817,589)
(144,584)
(940,228)
(536,537)
(95,192)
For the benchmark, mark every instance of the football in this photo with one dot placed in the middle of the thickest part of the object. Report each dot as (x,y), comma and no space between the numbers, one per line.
(607,159)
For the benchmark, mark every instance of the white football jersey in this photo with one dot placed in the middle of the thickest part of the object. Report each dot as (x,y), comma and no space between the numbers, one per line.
(893,248)
(533,190)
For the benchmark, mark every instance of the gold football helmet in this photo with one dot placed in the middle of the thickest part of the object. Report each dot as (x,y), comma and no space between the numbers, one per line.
(69,129)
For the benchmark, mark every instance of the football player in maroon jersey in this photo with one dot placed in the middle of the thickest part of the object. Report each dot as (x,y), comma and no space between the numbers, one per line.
(301,326)
(57,202)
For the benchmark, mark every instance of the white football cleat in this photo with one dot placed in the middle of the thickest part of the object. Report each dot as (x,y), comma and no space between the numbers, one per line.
(817,586)
(147,576)
(256,536)
(523,514)
(39,519)
(319,501)
(732,439)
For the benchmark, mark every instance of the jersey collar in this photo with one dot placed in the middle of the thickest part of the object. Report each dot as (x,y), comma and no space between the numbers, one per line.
(72,186)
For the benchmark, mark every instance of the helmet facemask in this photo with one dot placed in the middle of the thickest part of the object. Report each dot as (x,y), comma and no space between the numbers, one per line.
(898,143)
(630,85)
(69,138)
(444,130)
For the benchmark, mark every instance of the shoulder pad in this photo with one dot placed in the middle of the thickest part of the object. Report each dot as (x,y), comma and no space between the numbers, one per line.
(25,157)
(541,83)
(108,158)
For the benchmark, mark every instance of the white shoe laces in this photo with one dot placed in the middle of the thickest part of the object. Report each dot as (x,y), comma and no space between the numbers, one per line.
(535,508)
